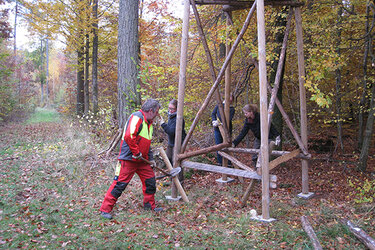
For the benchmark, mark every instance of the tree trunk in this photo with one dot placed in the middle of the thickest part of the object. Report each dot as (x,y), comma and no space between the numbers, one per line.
(87,68)
(47,71)
(80,80)
(365,137)
(41,74)
(128,58)
(364,101)
(95,58)
(338,80)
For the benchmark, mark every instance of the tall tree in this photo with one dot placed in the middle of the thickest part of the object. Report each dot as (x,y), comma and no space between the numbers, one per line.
(95,57)
(128,59)
(367,134)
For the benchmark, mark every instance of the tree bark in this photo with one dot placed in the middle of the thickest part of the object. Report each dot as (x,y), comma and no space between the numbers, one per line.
(361,235)
(95,58)
(363,101)
(80,80)
(86,81)
(367,134)
(128,97)
(338,80)
(310,232)
(47,71)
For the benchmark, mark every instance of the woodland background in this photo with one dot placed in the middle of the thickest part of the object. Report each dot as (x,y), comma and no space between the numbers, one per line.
(80,79)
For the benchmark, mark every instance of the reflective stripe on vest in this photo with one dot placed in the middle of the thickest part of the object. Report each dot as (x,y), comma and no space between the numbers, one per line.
(146,132)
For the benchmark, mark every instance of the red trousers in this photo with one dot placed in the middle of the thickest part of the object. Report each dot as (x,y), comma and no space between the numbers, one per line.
(128,169)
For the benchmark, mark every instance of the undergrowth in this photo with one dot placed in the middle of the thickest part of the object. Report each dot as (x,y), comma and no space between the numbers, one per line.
(53,182)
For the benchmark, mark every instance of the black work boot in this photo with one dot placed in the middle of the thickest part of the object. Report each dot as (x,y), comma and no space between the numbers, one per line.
(106,215)
(147,207)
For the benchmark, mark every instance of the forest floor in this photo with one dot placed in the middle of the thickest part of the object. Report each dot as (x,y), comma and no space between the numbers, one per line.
(52,183)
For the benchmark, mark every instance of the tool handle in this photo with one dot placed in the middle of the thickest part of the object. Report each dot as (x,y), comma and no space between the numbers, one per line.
(160,169)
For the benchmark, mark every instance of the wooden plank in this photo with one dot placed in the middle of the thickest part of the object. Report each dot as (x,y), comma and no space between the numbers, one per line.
(235,161)
(220,170)
(283,158)
(310,232)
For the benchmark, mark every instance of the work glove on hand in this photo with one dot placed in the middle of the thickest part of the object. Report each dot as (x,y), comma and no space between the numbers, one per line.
(277,141)
(137,157)
(233,146)
(152,163)
(161,120)
(215,123)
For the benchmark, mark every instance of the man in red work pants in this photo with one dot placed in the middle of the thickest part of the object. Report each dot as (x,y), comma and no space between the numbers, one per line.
(135,145)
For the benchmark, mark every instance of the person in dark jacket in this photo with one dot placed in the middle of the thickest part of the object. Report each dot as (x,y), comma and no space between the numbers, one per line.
(216,120)
(170,128)
(135,145)
(252,122)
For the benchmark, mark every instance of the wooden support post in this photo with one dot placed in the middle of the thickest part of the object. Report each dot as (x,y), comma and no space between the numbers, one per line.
(246,195)
(227,86)
(283,158)
(175,179)
(211,65)
(181,88)
(263,109)
(218,79)
(302,92)
(310,232)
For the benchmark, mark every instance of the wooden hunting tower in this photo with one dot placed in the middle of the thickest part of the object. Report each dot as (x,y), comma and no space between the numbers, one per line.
(266,108)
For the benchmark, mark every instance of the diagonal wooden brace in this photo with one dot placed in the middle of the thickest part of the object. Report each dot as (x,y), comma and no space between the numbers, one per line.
(175,178)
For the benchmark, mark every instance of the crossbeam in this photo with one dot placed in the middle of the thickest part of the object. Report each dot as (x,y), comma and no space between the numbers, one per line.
(222,170)
(256,151)
(246,3)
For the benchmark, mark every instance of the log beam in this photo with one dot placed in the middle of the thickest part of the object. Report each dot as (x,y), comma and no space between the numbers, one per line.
(310,232)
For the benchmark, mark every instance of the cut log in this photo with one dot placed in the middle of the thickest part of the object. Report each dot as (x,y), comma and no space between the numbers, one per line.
(310,232)
(246,195)
(175,179)
(202,151)
(235,161)
(282,159)
(361,235)
(256,151)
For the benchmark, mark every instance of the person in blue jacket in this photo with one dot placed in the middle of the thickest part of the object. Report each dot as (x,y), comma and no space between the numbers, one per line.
(216,120)
(170,128)
(252,122)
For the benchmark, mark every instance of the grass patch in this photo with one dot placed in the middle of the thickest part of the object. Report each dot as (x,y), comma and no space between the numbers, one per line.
(44,115)
(52,186)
